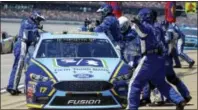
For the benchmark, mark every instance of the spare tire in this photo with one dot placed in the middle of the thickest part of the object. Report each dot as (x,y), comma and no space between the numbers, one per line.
(0,48)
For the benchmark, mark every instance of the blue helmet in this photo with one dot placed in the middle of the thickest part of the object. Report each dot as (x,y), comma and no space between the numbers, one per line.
(146,15)
(105,9)
(37,17)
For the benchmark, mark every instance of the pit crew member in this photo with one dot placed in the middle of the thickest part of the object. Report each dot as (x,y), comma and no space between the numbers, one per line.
(131,43)
(170,73)
(28,34)
(151,66)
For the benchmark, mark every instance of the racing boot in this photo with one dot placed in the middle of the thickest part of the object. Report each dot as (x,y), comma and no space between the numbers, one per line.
(177,66)
(14,92)
(144,102)
(181,105)
(159,103)
(168,101)
(187,99)
(191,64)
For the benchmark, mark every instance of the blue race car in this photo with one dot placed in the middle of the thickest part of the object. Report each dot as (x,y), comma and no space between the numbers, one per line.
(191,42)
(76,71)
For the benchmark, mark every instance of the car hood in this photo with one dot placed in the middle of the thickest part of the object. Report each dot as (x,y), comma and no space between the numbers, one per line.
(81,68)
(191,36)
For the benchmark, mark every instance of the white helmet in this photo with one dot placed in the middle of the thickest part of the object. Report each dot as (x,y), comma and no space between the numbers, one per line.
(124,23)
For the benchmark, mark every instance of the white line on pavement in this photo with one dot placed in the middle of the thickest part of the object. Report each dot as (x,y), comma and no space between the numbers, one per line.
(19,87)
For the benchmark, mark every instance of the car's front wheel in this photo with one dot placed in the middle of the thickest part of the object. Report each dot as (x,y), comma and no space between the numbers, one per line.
(12,47)
(34,109)
(0,49)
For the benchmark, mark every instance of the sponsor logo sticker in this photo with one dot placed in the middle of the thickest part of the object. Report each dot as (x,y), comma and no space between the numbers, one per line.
(83,75)
(84,102)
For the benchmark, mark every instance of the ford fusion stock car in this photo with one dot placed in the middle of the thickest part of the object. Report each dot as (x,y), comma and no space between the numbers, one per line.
(191,42)
(76,71)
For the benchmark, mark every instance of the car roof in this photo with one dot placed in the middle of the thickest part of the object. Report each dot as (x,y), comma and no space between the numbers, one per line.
(189,28)
(49,35)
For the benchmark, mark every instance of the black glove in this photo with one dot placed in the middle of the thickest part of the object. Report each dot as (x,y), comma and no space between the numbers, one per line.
(40,27)
(125,76)
(97,22)
(87,21)
(136,21)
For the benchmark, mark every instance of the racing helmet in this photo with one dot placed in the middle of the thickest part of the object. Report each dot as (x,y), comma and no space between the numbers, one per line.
(105,9)
(124,23)
(145,15)
(37,17)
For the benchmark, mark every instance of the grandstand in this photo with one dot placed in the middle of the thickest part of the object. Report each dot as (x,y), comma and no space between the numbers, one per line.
(78,11)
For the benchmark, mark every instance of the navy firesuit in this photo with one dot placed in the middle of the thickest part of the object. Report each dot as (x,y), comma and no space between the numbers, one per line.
(110,26)
(86,24)
(131,48)
(84,28)
(152,65)
(28,34)
(180,41)
(170,73)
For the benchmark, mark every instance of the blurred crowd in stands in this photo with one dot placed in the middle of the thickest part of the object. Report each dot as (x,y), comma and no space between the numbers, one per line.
(79,11)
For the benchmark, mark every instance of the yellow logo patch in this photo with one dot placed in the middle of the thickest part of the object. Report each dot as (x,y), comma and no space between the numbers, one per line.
(191,7)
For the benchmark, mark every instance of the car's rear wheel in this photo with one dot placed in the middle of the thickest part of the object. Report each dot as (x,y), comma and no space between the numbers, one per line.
(0,49)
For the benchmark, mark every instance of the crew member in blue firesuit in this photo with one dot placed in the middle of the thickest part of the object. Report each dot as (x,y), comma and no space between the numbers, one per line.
(131,43)
(108,23)
(86,24)
(28,34)
(170,73)
(180,41)
(151,66)
(172,44)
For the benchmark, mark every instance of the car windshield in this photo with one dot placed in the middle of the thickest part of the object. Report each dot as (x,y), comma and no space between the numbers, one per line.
(189,32)
(83,47)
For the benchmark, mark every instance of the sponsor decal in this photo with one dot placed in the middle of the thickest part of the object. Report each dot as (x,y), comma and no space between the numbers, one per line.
(78,62)
(83,75)
(30,90)
(81,69)
(62,69)
(30,100)
(68,60)
(191,7)
(84,102)
(43,90)
(100,69)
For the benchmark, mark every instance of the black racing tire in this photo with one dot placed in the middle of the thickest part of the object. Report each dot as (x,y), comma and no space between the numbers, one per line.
(34,109)
(12,47)
(0,49)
